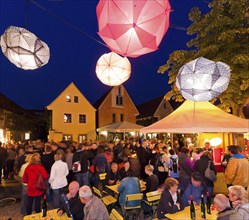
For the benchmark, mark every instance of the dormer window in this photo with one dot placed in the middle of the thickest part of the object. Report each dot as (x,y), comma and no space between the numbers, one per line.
(68,98)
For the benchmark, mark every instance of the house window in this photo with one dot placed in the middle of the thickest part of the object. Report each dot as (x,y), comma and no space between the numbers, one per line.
(113,118)
(68,98)
(76,99)
(67,118)
(82,138)
(67,137)
(121,117)
(119,100)
(82,118)
(119,90)
(164,105)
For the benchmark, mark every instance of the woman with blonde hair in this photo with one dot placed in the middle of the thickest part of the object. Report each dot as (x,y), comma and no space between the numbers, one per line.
(239,199)
(30,177)
(58,179)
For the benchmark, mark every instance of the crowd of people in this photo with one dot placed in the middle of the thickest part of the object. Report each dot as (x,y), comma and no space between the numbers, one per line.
(72,169)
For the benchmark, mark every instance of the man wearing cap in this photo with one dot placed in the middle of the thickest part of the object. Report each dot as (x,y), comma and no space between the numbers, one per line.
(196,188)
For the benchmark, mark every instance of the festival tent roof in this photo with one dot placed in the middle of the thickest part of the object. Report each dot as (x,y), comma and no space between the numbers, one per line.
(121,127)
(197,117)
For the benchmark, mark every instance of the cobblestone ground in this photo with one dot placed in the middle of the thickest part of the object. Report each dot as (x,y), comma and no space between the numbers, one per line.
(10,189)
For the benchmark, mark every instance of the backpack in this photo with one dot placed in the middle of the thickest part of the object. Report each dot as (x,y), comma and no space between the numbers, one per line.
(76,167)
(174,165)
(210,174)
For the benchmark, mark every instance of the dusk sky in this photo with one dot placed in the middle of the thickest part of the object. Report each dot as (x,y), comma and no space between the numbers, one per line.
(69,27)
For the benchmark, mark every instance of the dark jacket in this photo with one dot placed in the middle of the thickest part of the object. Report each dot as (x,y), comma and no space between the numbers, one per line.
(84,162)
(143,155)
(76,207)
(185,168)
(47,160)
(152,183)
(201,166)
(123,173)
(166,204)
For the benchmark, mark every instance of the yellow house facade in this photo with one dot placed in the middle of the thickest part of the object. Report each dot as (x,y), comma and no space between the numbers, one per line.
(72,117)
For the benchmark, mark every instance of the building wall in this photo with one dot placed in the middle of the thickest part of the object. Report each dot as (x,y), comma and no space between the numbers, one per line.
(60,106)
(109,107)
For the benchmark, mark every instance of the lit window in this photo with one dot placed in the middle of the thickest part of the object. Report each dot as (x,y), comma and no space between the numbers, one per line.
(113,118)
(67,118)
(121,117)
(67,137)
(82,118)
(68,98)
(76,99)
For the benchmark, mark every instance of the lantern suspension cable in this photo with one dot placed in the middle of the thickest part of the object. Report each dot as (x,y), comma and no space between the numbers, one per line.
(27,13)
(63,20)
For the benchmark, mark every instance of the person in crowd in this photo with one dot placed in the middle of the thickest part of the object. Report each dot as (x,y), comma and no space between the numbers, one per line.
(172,164)
(143,155)
(207,145)
(112,176)
(186,168)
(225,160)
(3,158)
(161,164)
(117,150)
(24,198)
(197,153)
(100,166)
(94,208)
(30,177)
(153,157)
(128,185)
(47,160)
(170,201)
(191,149)
(152,182)
(21,159)
(69,161)
(58,179)
(194,188)
(237,169)
(125,170)
(239,198)
(225,212)
(83,156)
(201,166)
(75,205)
(10,162)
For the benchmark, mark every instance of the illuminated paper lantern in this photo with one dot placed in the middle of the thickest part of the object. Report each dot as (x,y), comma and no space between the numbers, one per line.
(113,69)
(133,28)
(202,79)
(24,49)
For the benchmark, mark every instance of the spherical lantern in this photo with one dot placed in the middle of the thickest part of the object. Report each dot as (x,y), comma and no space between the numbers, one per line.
(133,27)
(202,79)
(24,49)
(113,69)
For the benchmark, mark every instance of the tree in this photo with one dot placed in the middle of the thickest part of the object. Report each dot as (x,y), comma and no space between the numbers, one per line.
(220,35)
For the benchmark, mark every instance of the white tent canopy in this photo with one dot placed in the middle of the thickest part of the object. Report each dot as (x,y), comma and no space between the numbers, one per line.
(197,117)
(121,127)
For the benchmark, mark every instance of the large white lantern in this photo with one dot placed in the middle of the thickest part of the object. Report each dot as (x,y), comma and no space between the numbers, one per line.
(24,49)
(112,69)
(202,79)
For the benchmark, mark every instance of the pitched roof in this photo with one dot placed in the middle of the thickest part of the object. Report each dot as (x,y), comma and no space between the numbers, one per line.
(8,104)
(101,99)
(149,108)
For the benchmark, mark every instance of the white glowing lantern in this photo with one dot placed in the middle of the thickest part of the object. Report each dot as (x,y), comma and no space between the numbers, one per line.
(24,49)
(112,69)
(202,79)
(214,142)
